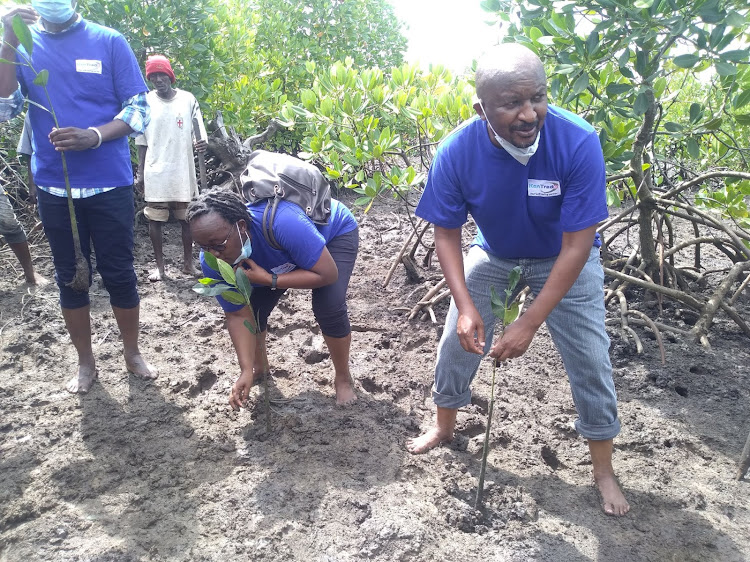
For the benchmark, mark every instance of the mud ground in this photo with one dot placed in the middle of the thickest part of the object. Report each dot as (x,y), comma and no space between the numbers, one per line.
(138,471)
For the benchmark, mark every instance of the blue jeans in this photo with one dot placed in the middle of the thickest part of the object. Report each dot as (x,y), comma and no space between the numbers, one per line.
(576,325)
(106,220)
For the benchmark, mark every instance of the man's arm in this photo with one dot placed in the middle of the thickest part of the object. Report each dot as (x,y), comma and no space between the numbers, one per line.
(139,183)
(133,118)
(575,250)
(470,327)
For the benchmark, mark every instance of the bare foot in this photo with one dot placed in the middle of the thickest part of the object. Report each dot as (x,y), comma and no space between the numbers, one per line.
(428,440)
(612,498)
(344,390)
(137,365)
(82,382)
(156,275)
(189,269)
(37,280)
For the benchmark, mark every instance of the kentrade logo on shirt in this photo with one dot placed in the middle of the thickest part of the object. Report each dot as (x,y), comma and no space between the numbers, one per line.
(544,188)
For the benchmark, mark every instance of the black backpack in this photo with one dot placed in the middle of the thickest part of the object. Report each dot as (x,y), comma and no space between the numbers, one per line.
(273,177)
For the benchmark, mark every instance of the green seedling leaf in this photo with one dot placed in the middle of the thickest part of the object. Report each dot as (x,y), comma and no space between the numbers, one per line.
(250,327)
(212,291)
(42,78)
(6,61)
(514,277)
(207,281)
(244,286)
(498,306)
(233,296)
(22,32)
(227,273)
(511,313)
(211,260)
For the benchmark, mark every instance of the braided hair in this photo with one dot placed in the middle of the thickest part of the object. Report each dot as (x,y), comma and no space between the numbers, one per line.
(225,203)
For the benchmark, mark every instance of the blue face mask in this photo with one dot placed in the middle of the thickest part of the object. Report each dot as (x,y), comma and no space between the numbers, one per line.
(54,11)
(247,247)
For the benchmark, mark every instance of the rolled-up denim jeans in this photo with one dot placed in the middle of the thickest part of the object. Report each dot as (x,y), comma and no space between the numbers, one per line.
(576,325)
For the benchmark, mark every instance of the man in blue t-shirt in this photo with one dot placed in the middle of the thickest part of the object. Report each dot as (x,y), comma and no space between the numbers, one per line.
(98,94)
(532,177)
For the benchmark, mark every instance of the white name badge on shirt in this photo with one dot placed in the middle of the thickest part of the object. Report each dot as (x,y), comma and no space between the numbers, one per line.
(544,188)
(284,268)
(89,66)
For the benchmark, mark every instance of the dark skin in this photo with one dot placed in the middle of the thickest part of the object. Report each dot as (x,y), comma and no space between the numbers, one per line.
(212,230)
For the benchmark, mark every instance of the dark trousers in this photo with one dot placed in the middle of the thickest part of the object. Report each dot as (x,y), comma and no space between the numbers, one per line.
(106,220)
(329,302)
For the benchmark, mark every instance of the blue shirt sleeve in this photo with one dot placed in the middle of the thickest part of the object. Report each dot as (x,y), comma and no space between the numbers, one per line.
(585,201)
(442,202)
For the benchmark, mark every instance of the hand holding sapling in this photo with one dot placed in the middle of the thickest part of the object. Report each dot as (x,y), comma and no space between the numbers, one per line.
(73,138)
(506,312)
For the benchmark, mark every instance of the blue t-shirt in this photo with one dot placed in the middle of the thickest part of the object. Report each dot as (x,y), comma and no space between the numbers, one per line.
(92,71)
(520,211)
(301,239)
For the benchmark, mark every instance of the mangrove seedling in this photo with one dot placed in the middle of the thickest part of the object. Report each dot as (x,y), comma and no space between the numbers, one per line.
(237,290)
(80,281)
(506,312)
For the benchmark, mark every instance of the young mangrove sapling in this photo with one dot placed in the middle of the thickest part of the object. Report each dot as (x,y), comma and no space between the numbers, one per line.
(506,312)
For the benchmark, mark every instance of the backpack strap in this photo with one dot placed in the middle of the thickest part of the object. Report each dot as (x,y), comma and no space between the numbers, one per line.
(266,224)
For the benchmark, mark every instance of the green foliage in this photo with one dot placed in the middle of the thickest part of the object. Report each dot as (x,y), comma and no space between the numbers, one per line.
(357,122)
(233,288)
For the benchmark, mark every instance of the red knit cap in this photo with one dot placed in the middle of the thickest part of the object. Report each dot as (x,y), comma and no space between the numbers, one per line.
(159,63)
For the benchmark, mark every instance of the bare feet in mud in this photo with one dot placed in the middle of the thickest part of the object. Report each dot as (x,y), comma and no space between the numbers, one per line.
(138,366)
(612,499)
(36,281)
(156,275)
(83,381)
(344,390)
(189,269)
(428,440)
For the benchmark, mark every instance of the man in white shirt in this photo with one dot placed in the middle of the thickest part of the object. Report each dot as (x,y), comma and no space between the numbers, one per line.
(166,168)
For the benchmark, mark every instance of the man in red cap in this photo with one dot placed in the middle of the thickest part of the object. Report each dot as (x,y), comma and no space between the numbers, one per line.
(166,167)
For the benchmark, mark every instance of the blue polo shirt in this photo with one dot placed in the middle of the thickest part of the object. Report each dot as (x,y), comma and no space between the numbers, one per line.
(92,71)
(301,239)
(520,211)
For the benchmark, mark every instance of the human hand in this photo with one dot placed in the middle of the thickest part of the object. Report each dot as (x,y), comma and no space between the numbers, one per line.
(254,273)
(28,15)
(240,391)
(470,330)
(73,138)
(200,145)
(514,342)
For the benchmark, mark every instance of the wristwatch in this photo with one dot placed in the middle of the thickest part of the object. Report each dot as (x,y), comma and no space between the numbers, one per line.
(274,279)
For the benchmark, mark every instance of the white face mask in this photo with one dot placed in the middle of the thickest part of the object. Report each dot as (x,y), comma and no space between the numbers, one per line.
(247,247)
(521,155)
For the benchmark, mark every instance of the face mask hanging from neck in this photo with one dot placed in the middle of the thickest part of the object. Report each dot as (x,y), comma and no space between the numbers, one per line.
(247,247)
(521,155)
(54,11)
